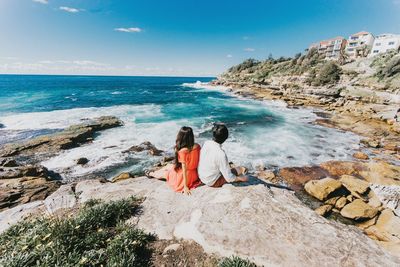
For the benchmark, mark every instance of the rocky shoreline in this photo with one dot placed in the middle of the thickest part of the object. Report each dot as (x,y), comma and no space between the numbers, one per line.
(376,208)
(363,192)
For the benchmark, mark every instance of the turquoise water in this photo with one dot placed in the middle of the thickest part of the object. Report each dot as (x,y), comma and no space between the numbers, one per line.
(153,109)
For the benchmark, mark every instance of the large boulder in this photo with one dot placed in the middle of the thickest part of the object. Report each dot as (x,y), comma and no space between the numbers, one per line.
(358,210)
(360,155)
(321,189)
(354,184)
(270,226)
(145,146)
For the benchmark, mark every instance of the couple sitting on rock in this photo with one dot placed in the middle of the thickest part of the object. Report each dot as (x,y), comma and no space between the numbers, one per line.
(195,166)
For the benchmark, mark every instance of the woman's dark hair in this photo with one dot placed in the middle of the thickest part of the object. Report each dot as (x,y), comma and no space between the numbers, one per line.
(184,139)
(220,133)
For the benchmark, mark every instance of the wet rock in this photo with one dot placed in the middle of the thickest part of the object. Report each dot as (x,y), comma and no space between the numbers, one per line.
(82,161)
(71,137)
(20,171)
(354,185)
(122,176)
(321,189)
(301,175)
(8,162)
(360,155)
(324,210)
(358,210)
(145,146)
(2,126)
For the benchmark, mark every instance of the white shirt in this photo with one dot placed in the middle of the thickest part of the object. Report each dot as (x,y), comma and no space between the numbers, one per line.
(214,163)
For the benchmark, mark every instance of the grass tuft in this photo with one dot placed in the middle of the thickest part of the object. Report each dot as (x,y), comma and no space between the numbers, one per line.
(95,236)
(236,262)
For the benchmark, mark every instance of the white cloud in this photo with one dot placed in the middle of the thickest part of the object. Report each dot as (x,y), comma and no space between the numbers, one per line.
(249,49)
(133,29)
(45,2)
(229,56)
(69,9)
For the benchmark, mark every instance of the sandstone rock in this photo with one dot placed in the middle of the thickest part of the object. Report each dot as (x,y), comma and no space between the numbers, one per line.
(23,190)
(219,223)
(339,168)
(342,201)
(321,189)
(373,200)
(8,162)
(332,201)
(377,172)
(301,175)
(390,223)
(360,155)
(82,161)
(63,198)
(354,184)
(268,176)
(392,146)
(358,210)
(121,176)
(71,137)
(323,210)
(20,171)
(367,223)
(145,146)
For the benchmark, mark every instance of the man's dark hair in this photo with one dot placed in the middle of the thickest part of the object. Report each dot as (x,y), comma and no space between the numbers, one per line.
(220,133)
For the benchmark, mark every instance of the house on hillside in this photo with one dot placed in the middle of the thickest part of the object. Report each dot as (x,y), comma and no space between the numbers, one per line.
(331,49)
(384,43)
(359,44)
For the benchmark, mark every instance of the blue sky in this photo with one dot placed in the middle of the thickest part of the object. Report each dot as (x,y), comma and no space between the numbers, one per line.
(176,37)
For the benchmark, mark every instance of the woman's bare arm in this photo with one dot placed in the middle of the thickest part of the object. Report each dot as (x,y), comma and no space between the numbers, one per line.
(186,189)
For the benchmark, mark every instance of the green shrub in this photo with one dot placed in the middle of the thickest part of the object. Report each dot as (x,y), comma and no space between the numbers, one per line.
(236,262)
(391,68)
(328,74)
(248,63)
(96,235)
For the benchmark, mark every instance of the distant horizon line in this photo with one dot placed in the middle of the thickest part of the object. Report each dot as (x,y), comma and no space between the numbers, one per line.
(101,75)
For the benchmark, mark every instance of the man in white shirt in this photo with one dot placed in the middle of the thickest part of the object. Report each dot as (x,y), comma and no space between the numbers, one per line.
(214,169)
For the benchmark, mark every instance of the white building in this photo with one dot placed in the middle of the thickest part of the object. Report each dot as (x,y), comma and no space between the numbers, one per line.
(385,42)
(359,44)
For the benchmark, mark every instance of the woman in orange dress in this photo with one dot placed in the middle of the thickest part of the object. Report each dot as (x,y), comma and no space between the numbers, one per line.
(182,176)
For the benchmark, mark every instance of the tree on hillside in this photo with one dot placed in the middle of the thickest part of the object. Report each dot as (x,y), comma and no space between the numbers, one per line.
(248,63)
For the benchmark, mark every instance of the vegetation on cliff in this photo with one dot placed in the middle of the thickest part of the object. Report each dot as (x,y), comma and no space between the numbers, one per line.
(311,69)
(320,72)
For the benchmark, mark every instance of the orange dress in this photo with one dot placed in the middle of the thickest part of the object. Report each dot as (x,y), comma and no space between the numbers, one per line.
(191,159)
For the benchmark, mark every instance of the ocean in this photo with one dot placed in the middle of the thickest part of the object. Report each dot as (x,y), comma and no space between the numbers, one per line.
(262,133)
